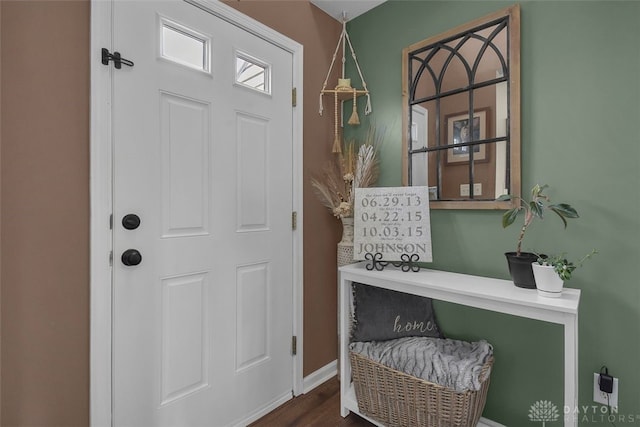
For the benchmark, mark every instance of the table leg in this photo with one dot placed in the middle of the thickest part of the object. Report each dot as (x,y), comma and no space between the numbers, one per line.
(344,299)
(571,371)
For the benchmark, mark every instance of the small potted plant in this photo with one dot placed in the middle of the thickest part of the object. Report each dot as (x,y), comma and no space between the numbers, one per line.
(520,262)
(552,271)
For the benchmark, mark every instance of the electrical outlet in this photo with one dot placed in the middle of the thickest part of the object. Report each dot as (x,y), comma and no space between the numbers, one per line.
(610,399)
(464,190)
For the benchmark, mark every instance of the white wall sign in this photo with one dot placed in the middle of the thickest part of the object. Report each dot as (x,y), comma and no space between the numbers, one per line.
(392,221)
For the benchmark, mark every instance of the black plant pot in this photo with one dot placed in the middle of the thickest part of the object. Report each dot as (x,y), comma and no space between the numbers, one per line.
(520,269)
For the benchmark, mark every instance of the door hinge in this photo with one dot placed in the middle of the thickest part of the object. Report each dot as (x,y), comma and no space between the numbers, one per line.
(111,258)
(294,220)
(294,97)
(111,222)
(294,345)
(115,57)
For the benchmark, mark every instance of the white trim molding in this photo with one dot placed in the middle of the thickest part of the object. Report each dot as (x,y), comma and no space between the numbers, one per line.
(101,196)
(488,423)
(101,208)
(320,376)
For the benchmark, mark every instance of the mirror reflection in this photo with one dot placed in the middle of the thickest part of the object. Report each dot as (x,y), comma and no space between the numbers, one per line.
(462,138)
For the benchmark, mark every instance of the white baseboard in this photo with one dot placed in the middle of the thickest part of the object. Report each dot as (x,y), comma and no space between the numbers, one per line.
(263,411)
(320,376)
(488,423)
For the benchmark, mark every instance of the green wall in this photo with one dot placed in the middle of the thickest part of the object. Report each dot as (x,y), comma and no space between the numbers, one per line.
(580,134)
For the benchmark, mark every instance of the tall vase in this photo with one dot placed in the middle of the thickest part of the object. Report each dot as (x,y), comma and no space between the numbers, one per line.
(345,246)
(345,256)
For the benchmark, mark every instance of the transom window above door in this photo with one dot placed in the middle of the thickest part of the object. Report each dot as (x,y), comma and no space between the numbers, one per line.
(253,73)
(184,46)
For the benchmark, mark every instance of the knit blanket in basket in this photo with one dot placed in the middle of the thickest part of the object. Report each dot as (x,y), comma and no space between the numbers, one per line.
(450,363)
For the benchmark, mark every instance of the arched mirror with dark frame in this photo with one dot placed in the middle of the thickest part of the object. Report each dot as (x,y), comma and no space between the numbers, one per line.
(461,118)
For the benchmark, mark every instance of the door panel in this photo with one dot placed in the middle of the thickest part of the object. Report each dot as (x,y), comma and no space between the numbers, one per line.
(202,326)
(185,135)
(185,357)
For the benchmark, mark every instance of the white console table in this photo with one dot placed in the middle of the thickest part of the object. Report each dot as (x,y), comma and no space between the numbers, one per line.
(497,295)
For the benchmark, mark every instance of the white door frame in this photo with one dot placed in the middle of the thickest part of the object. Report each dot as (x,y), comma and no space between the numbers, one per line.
(101,196)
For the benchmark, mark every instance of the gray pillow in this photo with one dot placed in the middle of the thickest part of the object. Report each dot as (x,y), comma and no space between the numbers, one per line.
(382,314)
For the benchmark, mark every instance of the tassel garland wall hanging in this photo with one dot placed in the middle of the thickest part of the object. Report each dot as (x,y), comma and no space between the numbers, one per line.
(344,90)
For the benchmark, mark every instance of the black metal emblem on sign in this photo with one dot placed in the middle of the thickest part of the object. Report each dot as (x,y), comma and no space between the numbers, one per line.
(407,263)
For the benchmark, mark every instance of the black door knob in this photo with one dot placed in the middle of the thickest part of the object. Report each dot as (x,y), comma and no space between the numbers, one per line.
(131,221)
(131,257)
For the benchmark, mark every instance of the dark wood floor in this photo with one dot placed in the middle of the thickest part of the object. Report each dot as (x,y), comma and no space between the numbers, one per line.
(320,408)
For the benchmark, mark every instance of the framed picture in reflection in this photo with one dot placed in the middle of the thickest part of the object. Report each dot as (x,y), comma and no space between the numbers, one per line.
(460,131)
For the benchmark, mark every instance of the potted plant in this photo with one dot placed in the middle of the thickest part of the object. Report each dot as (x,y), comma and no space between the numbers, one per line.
(520,262)
(552,271)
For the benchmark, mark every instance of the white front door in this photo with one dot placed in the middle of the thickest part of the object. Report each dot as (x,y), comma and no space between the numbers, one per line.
(202,287)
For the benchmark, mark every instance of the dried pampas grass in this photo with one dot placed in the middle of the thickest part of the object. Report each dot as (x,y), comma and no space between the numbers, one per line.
(356,166)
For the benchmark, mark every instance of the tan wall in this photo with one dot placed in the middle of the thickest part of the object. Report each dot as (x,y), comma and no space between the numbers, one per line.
(0,215)
(318,33)
(453,175)
(44,174)
(44,209)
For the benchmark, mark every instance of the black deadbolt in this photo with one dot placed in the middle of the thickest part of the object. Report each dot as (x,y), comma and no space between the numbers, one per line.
(131,257)
(131,221)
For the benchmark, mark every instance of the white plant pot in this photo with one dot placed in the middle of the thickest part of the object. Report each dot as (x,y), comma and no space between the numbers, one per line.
(548,283)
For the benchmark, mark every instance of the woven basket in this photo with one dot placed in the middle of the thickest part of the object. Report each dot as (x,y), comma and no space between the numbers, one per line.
(400,400)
